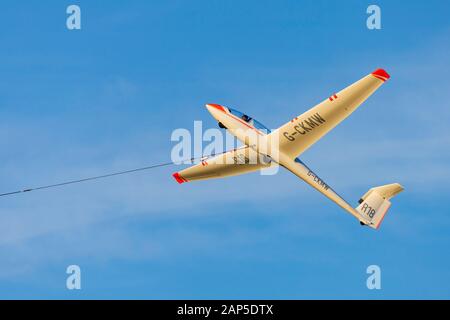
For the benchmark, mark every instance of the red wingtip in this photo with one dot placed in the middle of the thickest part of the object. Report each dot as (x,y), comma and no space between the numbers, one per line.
(179,178)
(381,74)
(217,106)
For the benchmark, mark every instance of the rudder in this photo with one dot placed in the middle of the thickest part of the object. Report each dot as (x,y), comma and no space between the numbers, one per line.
(375,203)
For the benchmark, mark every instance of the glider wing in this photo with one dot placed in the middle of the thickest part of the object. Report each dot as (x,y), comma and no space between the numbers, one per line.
(231,163)
(303,131)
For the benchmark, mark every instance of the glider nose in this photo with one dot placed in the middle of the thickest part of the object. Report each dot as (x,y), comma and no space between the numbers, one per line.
(212,106)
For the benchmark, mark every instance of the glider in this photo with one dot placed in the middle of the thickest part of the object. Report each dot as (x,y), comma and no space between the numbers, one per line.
(283,146)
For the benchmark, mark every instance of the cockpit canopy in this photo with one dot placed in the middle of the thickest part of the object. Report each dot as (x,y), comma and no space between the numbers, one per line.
(258,125)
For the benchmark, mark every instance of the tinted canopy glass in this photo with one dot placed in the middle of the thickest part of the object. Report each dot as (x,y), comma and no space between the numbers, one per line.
(258,125)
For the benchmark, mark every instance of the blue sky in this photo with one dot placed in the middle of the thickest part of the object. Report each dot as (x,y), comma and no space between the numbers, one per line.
(107,98)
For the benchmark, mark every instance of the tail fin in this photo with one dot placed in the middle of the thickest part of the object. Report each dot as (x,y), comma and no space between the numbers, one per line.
(375,203)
